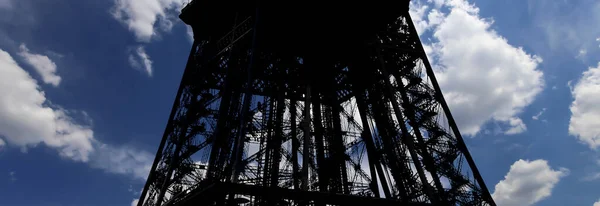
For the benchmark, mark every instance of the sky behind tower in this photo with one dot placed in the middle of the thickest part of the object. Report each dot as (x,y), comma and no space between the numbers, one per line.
(86,88)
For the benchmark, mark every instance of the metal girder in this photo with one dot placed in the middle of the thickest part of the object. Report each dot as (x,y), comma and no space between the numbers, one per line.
(254,123)
(208,192)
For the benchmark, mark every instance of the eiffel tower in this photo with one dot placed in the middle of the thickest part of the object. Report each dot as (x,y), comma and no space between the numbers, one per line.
(309,103)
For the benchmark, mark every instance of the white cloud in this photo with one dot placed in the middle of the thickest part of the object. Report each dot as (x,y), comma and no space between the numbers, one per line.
(123,160)
(141,16)
(516,126)
(482,76)
(437,3)
(135,202)
(585,109)
(596,203)
(27,119)
(2,143)
(435,17)
(424,18)
(140,60)
(537,116)
(527,182)
(145,19)
(43,65)
(417,12)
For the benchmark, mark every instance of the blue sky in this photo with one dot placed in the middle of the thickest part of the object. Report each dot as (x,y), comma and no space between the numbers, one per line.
(86,88)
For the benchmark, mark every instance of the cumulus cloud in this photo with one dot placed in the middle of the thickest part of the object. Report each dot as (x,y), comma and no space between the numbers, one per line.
(27,119)
(142,17)
(527,182)
(585,109)
(43,65)
(483,77)
(139,59)
(597,203)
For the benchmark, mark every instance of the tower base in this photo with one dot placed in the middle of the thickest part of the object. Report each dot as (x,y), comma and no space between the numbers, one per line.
(222,193)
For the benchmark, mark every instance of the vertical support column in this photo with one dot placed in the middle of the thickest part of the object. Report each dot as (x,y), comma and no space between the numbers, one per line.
(232,128)
(262,140)
(323,177)
(408,108)
(269,147)
(387,131)
(306,141)
(278,138)
(220,135)
(295,142)
(372,153)
(239,142)
(338,151)
(408,141)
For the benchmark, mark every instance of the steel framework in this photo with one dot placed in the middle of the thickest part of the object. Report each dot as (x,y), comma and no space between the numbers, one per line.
(309,104)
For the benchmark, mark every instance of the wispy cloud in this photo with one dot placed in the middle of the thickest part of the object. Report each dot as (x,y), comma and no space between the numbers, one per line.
(141,17)
(147,20)
(569,32)
(537,116)
(592,177)
(581,54)
(124,160)
(43,65)
(139,59)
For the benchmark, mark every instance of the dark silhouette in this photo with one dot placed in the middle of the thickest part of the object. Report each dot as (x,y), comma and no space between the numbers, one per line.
(309,103)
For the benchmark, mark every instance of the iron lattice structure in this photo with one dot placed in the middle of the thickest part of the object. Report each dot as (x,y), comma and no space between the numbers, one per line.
(289,104)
